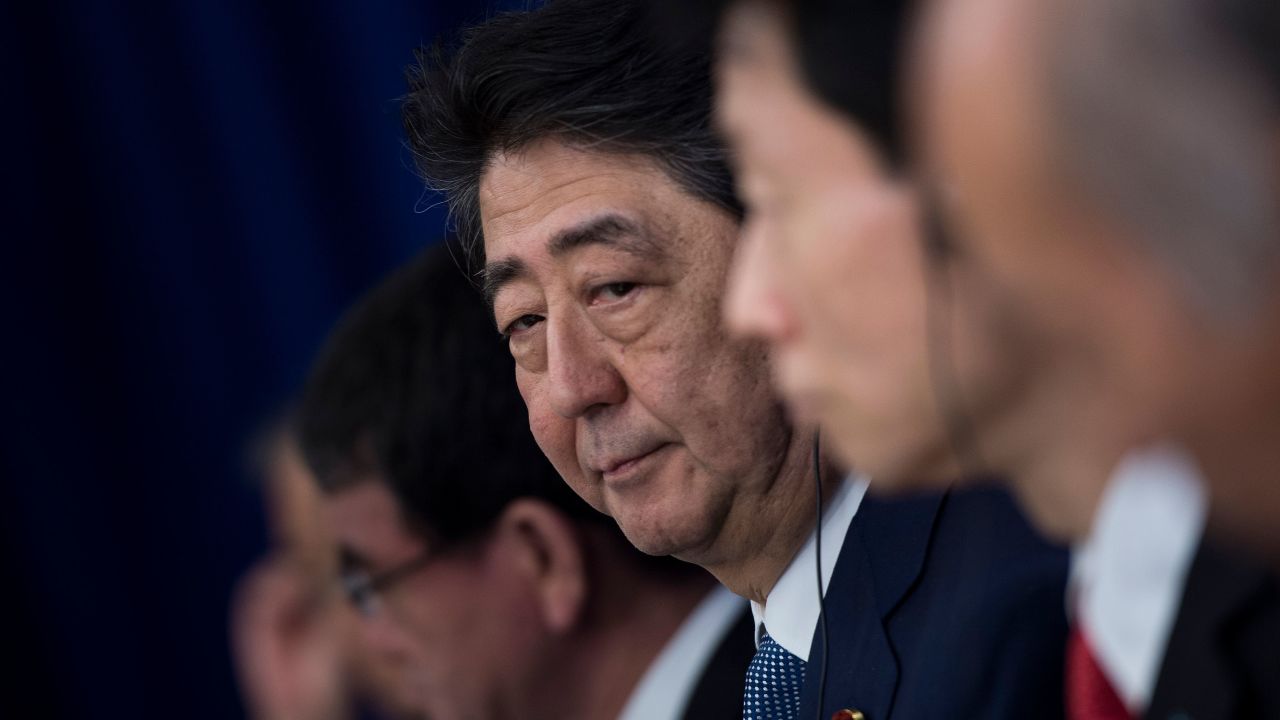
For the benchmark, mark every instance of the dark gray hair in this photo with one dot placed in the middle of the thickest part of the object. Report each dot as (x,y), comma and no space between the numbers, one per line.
(592,73)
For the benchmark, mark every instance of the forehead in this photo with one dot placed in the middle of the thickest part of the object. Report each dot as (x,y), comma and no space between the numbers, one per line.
(754,34)
(549,186)
(981,61)
(756,76)
(366,516)
(778,125)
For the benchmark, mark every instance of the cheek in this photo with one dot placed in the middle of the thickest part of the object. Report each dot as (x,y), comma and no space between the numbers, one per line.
(548,427)
(1007,212)
(729,410)
(998,343)
(997,245)
(455,668)
(710,388)
(861,283)
(677,359)
(556,437)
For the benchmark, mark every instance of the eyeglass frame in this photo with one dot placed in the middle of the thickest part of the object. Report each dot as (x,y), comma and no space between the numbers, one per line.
(362,588)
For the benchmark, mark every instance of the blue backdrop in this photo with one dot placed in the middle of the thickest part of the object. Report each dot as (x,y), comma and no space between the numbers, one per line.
(195,190)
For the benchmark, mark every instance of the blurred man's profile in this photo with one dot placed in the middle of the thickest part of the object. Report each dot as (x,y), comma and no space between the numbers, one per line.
(835,268)
(1111,167)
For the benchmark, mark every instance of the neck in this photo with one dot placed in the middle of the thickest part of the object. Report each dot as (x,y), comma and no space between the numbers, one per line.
(1061,479)
(1063,491)
(632,621)
(765,531)
(1239,458)
(1233,430)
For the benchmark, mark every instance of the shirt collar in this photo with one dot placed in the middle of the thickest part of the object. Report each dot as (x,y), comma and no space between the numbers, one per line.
(1128,576)
(790,612)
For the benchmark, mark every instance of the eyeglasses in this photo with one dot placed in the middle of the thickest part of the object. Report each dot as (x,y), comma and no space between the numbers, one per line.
(362,589)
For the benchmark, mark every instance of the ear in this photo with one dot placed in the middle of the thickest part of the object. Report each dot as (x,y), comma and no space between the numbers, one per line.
(545,548)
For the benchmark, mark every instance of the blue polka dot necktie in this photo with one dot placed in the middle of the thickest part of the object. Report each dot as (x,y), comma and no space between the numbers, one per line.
(774,678)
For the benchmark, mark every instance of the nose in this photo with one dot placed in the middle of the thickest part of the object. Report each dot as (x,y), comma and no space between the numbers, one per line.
(753,305)
(581,375)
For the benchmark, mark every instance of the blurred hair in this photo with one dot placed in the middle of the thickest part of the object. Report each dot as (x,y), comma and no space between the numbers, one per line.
(415,389)
(1253,28)
(850,54)
(590,73)
(1166,115)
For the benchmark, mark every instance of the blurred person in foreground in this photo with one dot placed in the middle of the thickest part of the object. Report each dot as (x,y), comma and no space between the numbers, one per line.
(576,151)
(487,587)
(833,269)
(912,363)
(1112,169)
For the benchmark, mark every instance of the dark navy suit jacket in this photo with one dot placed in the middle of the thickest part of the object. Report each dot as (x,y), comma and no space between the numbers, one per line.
(942,606)
(1223,657)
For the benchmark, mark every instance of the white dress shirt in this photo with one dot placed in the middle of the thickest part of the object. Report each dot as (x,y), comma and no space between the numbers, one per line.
(1127,578)
(667,685)
(790,612)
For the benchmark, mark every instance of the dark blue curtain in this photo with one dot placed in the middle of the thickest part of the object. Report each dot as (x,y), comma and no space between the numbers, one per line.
(194,191)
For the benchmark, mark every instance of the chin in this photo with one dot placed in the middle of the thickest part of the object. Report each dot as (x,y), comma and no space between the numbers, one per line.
(667,526)
(650,543)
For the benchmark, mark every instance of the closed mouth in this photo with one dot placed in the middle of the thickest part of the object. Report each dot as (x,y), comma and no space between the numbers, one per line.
(627,467)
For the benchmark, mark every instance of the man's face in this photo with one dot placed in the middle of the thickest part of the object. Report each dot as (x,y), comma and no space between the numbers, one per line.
(607,278)
(1080,297)
(987,147)
(830,269)
(451,634)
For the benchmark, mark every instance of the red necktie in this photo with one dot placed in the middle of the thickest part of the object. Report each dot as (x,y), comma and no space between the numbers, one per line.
(1089,694)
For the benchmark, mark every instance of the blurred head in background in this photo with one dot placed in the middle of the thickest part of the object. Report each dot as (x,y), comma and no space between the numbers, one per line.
(294,504)
(578,157)
(1114,168)
(482,581)
(834,267)
(299,652)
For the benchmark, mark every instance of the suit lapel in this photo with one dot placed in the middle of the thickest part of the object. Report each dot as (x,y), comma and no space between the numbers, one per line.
(718,693)
(882,557)
(1201,677)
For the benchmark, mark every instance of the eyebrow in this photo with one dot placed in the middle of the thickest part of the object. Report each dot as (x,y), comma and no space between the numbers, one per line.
(611,229)
(498,274)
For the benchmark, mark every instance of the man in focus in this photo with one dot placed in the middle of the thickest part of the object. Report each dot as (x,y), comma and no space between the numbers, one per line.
(487,587)
(577,154)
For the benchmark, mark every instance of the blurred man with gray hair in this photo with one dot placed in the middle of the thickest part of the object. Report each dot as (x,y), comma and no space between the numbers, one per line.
(1112,167)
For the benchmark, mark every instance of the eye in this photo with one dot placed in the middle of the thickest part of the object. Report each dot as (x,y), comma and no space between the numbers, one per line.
(613,292)
(520,324)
